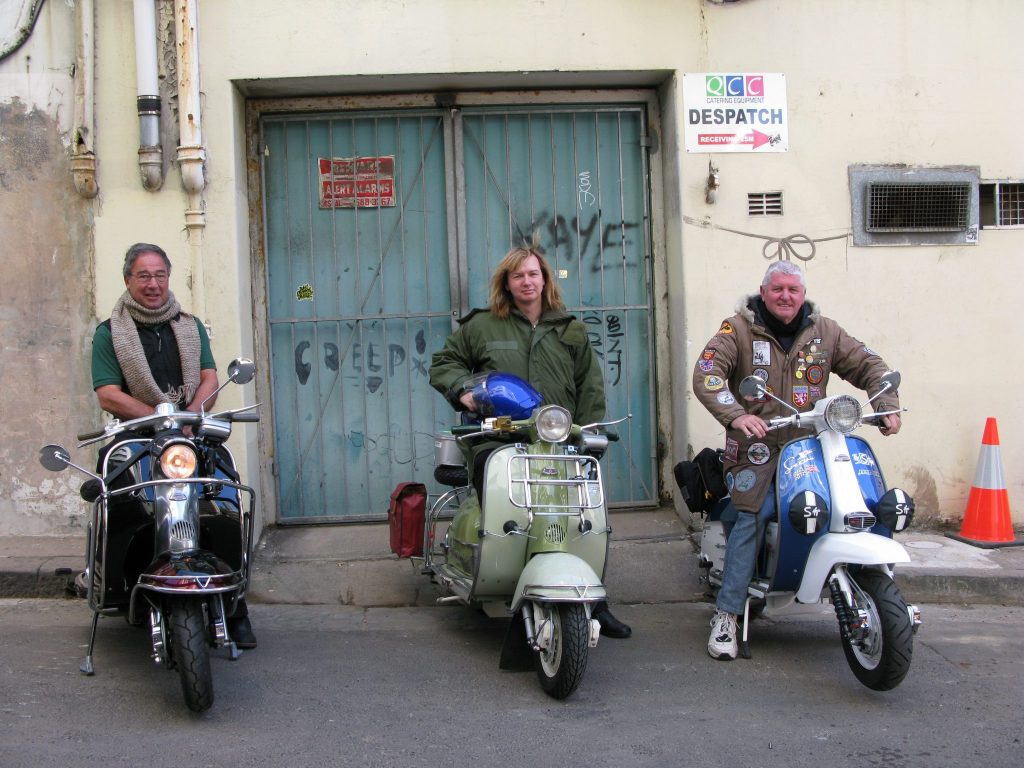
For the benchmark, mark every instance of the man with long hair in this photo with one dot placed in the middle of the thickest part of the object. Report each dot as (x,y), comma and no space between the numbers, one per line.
(526,332)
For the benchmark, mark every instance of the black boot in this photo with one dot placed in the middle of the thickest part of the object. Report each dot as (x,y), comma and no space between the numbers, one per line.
(240,628)
(610,626)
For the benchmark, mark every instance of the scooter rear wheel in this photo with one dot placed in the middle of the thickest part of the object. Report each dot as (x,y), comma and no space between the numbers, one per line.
(880,659)
(561,665)
(191,653)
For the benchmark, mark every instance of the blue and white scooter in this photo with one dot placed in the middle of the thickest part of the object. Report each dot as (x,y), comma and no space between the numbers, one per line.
(831,537)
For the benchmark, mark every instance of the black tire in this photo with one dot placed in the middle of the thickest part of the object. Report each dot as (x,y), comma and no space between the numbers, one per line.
(190,653)
(560,668)
(447,474)
(881,659)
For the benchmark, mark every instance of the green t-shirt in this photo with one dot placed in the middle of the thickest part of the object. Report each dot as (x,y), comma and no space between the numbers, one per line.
(107,370)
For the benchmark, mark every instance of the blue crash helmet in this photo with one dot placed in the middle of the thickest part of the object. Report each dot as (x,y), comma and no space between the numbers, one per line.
(502,394)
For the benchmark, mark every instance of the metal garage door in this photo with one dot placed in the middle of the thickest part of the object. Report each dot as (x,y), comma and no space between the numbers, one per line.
(380,227)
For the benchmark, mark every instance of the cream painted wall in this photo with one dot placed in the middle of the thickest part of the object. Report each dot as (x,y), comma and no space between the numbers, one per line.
(918,81)
(911,83)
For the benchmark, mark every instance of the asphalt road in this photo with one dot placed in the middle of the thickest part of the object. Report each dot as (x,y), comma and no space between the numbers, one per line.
(342,686)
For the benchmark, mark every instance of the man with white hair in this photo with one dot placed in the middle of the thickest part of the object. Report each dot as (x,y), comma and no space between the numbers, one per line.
(780,337)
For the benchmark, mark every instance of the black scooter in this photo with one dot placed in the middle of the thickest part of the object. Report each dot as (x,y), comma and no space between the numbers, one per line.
(169,539)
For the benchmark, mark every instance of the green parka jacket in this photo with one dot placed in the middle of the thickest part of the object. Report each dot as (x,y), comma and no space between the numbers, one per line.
(555,357)
(744,346)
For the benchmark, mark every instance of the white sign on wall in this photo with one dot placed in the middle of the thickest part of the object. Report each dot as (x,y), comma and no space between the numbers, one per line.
(735,112)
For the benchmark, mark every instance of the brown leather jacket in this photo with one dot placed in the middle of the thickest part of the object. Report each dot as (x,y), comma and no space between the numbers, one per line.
(744,346)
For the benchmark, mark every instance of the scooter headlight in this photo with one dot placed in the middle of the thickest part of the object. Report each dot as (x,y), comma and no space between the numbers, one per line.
(553,423)
(843,414)
(178,461)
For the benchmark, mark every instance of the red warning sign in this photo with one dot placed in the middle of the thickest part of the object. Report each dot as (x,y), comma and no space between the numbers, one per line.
(357,182)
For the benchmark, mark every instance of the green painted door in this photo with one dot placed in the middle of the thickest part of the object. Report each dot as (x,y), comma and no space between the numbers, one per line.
(381,227)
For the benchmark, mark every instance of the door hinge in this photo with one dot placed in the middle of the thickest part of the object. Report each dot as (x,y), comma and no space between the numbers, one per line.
(650,142)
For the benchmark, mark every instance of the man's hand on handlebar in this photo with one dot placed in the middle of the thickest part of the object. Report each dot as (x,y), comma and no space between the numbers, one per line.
(890,424)
(750,425)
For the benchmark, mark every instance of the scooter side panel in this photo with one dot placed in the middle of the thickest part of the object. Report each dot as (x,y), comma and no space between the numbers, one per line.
(801,468)
(499,558)
(854,548)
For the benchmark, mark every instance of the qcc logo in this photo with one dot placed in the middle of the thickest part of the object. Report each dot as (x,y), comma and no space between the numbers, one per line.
(731,86)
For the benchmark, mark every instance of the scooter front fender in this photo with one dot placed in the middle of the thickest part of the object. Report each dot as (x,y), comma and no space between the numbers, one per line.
(558,577)
(854,548)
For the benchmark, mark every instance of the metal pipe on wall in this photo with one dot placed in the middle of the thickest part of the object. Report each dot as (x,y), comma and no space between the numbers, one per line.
(151,159)
(83,158)
(191,154)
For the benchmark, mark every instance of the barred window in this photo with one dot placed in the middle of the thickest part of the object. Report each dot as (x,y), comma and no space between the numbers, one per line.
(1002,204)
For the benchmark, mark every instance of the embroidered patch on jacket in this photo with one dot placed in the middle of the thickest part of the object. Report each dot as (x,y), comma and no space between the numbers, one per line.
(758,453)
(725,397)
(708,354)
(713,383)
(745,480)
(726,327)
(732,449)
(762,374)
(815,374)
(706,365)
(762,353)
(800,396)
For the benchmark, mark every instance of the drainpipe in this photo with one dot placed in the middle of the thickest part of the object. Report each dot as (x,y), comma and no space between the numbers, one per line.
(83,159)
(151,159)
(191,153)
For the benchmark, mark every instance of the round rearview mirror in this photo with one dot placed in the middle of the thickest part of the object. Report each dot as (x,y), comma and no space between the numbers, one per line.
(892,379)
(241,370)
(752,388)
(54,458)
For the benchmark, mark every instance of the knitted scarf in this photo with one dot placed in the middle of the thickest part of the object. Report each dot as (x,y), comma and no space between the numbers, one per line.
(132,358)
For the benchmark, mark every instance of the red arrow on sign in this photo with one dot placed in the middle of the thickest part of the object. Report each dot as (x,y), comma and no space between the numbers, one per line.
(760,139)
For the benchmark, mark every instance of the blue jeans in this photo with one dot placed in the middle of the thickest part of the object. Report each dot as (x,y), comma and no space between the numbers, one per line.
(741,553)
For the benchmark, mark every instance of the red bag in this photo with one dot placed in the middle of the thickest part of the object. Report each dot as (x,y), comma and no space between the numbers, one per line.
(405,519)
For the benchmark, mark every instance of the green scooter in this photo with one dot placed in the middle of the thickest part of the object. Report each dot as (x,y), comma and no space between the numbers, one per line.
(536,548)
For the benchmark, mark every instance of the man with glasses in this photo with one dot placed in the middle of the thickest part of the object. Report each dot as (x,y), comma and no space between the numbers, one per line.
(151,351)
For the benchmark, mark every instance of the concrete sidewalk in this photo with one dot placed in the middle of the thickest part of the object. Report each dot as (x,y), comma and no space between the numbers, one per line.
(652,560)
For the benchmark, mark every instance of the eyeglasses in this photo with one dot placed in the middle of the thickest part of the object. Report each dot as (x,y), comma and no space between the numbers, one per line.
(145,277)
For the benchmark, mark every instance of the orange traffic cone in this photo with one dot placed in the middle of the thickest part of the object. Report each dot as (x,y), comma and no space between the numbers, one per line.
(987,519)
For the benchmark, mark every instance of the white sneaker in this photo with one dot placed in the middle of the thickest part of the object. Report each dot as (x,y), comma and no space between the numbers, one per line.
(722,643)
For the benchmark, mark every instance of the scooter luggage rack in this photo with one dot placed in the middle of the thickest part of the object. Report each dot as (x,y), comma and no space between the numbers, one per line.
(586,480)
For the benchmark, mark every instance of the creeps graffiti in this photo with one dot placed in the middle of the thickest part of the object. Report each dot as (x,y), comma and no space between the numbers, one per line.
(376,360)
(373,360)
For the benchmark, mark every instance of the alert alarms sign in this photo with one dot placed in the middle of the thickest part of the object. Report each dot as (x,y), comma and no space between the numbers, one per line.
(736,112)
(357,182)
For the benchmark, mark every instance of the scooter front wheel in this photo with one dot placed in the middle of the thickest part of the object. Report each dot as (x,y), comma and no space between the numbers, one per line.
(562,659)
(879,652)
(191,653)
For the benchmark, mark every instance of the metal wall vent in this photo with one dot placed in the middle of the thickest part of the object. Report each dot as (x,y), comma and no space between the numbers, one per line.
(905,205)
(764,203)
(918,207)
